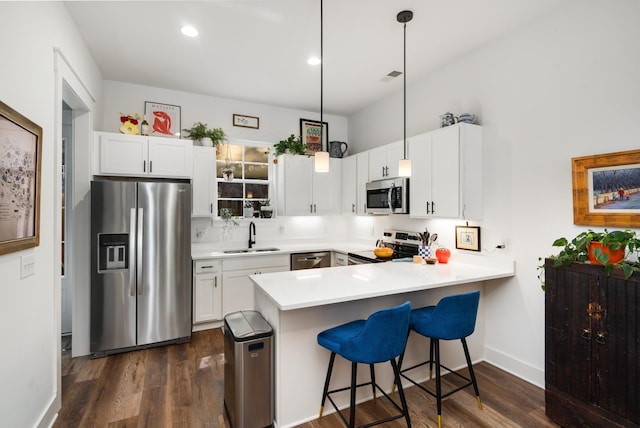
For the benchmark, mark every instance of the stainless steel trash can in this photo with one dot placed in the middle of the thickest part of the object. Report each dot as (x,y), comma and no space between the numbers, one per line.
(248,370)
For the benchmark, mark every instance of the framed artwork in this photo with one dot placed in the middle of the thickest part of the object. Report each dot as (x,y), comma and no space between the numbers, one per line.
(468,238)
(310,131)
(164,119)
(606,189)
(20,165)
(246,121)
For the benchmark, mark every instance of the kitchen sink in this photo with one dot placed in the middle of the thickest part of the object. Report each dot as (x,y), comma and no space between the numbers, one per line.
(251,250)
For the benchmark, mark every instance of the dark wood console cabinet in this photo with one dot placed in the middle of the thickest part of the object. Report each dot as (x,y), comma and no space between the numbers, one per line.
(592,338)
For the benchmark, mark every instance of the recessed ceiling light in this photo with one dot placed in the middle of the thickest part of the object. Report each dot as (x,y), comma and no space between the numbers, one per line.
(314,60)
(188,30)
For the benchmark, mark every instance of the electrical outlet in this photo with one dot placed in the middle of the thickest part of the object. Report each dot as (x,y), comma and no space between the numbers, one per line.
(201,233)
(27,266)
(282,230)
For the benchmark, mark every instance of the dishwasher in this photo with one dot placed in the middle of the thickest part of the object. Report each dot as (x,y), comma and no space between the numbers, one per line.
(310,260)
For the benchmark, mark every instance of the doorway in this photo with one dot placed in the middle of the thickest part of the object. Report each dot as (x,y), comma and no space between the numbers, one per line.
(66,199)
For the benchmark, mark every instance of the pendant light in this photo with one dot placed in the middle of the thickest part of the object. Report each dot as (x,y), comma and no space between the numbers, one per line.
(321,158)
(404,165)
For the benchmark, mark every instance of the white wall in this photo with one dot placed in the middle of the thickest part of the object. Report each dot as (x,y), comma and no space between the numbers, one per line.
(29,317)
(276,123)
(565,86)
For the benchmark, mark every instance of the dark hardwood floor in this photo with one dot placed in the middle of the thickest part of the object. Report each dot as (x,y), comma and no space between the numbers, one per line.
(182,386)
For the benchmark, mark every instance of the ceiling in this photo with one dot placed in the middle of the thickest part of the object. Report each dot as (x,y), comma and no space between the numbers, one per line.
(256,50)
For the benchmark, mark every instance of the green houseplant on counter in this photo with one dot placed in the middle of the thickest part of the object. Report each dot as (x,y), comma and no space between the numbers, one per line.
(201,133)
(610,249)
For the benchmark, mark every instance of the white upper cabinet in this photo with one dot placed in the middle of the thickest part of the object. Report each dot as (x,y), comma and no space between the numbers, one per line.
(204,181)
(446,173)
(355,174)
(141,156)
(349,185)
(383,161)
(302,191)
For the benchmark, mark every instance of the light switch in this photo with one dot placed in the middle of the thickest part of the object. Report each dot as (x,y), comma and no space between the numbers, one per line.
(27,265)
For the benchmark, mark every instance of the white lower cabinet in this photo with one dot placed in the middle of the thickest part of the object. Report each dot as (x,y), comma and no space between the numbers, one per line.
(237,294)
(207,290)
(339,259)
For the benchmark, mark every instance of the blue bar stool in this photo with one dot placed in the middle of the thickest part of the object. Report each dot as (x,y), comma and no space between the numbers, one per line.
(382,337)
(454,317)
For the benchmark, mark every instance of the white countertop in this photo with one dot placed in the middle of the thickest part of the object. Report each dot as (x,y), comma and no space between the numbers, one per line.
(215,251)
(316,287)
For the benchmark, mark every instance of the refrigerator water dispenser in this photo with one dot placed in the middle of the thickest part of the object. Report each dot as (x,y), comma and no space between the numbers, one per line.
(113,251)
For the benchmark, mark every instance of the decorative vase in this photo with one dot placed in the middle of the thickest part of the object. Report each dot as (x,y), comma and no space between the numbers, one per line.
(424,251)
(248,212)
(614,255)
(443,255)
(206,142)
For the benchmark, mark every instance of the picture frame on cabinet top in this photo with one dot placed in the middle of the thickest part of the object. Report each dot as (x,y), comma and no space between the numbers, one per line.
(310,135)
(604,189)
(164,119)
(20,169)
(468,238)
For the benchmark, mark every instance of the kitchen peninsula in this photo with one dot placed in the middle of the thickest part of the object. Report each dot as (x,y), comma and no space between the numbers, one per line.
(300,304)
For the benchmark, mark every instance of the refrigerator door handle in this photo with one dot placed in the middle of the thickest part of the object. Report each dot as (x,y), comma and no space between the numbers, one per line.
(132,253)
(139,250)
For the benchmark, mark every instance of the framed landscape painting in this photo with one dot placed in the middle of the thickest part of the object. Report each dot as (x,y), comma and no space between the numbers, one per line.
(20,165)
(606,189)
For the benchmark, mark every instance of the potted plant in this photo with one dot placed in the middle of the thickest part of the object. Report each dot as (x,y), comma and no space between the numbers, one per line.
(205,136)
(266,211)
(291,145)
(247,209)
(609,249)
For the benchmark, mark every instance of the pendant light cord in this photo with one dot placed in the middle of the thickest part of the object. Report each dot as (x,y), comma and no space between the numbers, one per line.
(404,75)
(321,75)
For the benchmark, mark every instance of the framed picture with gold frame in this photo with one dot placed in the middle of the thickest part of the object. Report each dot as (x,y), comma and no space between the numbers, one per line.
(468,238)
(20,166)
(606,189)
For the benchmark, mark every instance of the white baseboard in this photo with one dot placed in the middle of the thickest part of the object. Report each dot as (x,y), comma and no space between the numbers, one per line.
(516,367)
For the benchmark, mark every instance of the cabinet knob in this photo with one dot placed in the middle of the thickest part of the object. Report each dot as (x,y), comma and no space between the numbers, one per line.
(586,334)
(600,338)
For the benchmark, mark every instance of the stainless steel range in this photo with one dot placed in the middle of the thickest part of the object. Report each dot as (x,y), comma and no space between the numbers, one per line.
(403,243)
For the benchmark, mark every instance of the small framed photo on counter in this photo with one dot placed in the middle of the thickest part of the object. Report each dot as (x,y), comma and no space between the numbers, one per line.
(468,238)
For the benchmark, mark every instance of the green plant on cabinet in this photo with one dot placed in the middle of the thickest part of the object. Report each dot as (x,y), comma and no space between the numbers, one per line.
(292,145)
(610,249)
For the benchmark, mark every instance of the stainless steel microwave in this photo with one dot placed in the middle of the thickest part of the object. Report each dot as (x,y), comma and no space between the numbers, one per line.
(388,196)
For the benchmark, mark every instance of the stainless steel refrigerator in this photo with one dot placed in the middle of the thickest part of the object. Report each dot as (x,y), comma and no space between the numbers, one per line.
(140,264)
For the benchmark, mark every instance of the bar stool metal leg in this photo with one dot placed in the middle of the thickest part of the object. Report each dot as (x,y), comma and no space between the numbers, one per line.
(373,380)
(471,373)
(326,382)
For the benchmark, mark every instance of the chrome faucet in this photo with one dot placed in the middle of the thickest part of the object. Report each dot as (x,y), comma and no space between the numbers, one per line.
(252,227)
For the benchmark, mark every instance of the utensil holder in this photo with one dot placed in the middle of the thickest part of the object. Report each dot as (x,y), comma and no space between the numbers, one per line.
(424,251)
